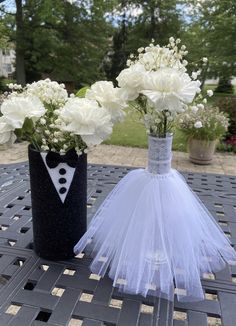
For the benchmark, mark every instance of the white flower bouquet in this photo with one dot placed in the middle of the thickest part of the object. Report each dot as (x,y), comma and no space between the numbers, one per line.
(50,120)
(60,129)
(157,85)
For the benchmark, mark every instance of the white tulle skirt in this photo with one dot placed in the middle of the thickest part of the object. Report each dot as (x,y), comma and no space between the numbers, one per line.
(153,235)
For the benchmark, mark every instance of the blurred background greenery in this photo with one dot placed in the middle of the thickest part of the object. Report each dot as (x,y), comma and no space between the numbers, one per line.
(91,40)
(131,131)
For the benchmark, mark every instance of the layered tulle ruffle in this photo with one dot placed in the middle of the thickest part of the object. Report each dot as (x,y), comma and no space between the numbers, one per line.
(154,236)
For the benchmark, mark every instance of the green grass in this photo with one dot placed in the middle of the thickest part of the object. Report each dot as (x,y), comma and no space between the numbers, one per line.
(132,133)
(129,133)
(8,81)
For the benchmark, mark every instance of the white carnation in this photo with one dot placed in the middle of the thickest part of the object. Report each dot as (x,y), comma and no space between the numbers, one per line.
(168,89)
(16,109)
(84,117)
(7,135)
(131,80)
(198,124)
(108,97)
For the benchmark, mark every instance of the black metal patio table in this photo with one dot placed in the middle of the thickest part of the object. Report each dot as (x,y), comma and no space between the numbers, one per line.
(34,291)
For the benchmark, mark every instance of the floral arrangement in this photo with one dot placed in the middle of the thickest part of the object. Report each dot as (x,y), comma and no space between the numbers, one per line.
(157,85)
(203,122)
(44,114)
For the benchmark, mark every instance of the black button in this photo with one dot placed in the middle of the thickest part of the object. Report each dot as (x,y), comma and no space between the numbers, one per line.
(62,180)
(62,190)
(62,171)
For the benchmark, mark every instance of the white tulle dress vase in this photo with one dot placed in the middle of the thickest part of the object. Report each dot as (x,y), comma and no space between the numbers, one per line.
(153,235)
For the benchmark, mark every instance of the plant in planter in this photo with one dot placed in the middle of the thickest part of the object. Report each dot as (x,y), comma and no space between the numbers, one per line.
(60,130)
(203,126)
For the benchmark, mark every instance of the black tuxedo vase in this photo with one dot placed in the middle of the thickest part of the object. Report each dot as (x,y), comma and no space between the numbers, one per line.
(57,225)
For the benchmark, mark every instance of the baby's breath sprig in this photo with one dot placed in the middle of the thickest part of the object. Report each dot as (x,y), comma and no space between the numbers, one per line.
(202,122)
(154,56)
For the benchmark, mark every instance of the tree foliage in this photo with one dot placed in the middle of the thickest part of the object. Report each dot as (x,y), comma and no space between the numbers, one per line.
(63,41)
(4,40)
(92,39)
(137,23)
(210,32)
(218,18)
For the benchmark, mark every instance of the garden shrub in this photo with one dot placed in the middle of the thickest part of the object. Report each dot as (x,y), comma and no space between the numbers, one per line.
(228,105)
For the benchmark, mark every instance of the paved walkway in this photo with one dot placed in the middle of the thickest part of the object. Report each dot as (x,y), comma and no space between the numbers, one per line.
(128,156)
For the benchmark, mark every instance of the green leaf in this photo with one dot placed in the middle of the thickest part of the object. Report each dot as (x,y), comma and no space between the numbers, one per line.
(28,126)
(18,133)
(82,91)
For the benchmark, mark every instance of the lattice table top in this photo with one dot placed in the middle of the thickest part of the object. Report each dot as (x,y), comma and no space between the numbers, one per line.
(34,291)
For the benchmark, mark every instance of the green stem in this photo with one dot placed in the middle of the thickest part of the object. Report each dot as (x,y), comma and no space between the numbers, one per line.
(165,126)
(34,142)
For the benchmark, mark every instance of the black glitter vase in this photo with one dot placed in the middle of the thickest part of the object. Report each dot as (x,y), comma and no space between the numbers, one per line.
(58,223)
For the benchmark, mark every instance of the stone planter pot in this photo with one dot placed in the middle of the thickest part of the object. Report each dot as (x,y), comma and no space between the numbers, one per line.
(59,202)
(201,151)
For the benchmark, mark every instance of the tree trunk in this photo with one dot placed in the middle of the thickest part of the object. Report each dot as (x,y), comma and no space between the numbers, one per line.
(20,51)
(119,56)
(155,8)
(153,20)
